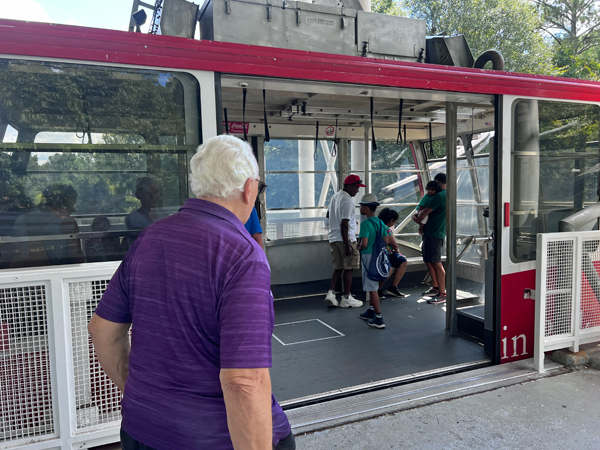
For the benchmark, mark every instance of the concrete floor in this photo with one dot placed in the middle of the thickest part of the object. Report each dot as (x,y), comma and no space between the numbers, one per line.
(560,411)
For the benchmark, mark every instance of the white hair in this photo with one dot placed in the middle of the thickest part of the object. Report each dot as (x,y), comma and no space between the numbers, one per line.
(221,167)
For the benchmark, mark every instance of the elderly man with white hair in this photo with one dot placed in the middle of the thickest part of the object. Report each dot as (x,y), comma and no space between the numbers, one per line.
(196,288)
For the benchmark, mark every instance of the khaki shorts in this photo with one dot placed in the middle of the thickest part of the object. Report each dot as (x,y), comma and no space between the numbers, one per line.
(339,258)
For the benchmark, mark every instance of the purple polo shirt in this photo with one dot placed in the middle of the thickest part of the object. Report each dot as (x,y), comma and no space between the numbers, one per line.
(196,287)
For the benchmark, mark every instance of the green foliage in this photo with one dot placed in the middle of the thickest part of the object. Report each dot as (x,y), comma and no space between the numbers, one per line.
(574,27)
(584,66)
(389,7)
(510,26)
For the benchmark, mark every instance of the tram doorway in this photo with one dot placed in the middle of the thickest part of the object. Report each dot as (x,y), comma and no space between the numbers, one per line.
(308,137)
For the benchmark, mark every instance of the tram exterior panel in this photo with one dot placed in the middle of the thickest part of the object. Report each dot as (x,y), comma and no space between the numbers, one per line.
(192,69)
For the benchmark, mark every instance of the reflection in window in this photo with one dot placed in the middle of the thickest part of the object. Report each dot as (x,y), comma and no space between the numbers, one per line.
(302,179)
(554,168)
(110,149)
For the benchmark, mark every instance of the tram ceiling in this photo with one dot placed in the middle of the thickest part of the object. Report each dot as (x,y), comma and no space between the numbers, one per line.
(305,103)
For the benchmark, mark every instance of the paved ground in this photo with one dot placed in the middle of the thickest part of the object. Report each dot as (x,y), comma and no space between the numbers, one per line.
(562,411)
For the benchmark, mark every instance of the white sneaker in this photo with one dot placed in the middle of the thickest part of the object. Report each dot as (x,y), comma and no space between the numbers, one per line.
(350,302)
(330,298)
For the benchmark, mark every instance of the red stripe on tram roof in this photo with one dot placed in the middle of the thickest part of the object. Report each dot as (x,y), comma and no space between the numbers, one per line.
(97,45)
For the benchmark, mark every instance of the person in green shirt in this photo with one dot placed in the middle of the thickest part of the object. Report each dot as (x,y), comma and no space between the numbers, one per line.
(434,233)
(369,229)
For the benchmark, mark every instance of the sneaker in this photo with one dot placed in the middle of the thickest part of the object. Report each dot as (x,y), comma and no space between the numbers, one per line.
(393,290)
(330,298)
(440,298)
(376,322)
(431,291)
(350,302)
(380,294)
(368,314)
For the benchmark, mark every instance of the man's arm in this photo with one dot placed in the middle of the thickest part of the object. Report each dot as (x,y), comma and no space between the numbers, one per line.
(111,342)
(344,227)
(422,214)
(247,394)
(362,243)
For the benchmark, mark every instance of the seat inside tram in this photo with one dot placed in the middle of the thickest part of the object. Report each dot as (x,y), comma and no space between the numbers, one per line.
(92,155)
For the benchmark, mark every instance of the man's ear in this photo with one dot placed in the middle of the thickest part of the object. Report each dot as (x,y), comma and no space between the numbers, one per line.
(247,193)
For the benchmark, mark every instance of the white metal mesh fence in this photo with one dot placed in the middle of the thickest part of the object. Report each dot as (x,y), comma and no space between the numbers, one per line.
(25,386)
(567,311)
(97,399)
(559,288)
(590,284)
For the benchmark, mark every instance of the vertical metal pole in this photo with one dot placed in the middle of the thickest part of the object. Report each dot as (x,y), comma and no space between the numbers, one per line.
(451,135)
(63,385)
(342,164)
(367,177)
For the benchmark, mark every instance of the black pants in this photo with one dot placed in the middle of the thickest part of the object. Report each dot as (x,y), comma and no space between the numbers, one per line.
(129,443)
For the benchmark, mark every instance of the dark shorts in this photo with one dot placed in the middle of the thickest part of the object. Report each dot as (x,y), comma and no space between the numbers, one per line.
(432,249)
(129,443)
(397,260)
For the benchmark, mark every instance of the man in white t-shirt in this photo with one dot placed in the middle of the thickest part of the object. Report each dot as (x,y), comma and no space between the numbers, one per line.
(342,242)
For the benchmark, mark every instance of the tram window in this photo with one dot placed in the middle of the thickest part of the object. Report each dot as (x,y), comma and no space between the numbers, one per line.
(436,150)
(10,134)
(51,137)
(300,187)
(100,154)
(396,182)
(554,173)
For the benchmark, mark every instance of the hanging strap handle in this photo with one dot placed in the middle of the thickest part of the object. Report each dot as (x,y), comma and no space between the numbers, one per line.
(405,133)
(430,142)
(334,147)
(315,155)
(244,114)
(226,121)
(267,135)
(399,138)
(373,143)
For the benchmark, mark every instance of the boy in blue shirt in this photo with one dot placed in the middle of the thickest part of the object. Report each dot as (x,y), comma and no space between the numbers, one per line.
(369,229)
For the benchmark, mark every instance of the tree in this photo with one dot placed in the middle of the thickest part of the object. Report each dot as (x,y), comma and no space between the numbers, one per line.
(574,26)
(510,26)
(572,23)
(389,7)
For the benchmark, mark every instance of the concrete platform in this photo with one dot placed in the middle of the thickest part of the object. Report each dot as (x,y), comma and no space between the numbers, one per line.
(588,354)
(556,411)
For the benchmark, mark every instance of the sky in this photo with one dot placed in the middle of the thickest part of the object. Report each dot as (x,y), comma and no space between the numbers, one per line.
(110,14)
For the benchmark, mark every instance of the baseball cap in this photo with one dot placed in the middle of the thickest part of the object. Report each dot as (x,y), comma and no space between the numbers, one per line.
(354,179)
(369,199)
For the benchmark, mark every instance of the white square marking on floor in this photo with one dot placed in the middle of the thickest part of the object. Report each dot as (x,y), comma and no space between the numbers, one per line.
(339,334)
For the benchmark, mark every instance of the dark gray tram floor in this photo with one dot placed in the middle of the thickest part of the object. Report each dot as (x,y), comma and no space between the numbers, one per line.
(317,348)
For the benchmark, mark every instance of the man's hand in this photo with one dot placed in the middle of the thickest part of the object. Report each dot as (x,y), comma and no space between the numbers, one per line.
(348,249)
(247,394)
(111,342)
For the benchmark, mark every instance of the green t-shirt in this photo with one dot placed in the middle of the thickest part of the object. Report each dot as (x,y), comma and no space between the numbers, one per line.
(424,200)
(370,228)
(436,225)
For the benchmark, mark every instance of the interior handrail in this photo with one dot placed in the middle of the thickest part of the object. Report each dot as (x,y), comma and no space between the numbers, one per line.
(580,218)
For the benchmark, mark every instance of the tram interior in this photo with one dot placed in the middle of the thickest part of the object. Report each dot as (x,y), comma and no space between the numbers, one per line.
(315,347)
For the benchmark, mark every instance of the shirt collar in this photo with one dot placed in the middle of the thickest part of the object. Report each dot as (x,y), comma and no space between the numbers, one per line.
(213,209)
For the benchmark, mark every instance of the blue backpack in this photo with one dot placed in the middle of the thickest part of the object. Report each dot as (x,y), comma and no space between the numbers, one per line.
(380,266)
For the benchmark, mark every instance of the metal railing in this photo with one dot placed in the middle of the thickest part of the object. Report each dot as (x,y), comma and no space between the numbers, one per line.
(53,393)
(567,308)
